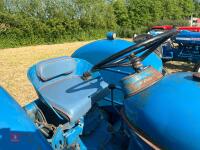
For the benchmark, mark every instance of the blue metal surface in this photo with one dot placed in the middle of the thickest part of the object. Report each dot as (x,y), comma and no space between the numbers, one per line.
(188,48)
(99,138)
(31,110)
(58,140)
(102,134)
(188,37)
(72,135)
(111,35)
(97,51)
(139,81)
(168,112)
(17,131)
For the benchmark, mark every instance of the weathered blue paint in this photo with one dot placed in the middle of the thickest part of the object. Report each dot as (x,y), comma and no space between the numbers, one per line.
(139,81)
(111,35)
(188,37)
(187,50)
(58,140)
(97,51)
(72,135)
(168,112)
(17,131)
(165,111)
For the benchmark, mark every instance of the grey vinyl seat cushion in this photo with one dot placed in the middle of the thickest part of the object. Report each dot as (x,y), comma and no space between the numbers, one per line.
(58,84)
(72,96)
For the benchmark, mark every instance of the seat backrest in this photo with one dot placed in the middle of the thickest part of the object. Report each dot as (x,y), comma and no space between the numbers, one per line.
(52,68)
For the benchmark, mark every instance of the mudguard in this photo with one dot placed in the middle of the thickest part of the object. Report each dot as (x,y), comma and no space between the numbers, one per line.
(168,112)
(17,131)
(99,50)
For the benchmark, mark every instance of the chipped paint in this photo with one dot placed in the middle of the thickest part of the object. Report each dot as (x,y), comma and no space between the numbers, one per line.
(139,81)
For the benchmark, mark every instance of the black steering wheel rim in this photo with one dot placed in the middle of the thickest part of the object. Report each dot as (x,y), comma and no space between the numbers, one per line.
(149,43)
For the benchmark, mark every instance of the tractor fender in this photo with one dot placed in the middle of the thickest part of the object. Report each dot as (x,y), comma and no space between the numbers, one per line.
(168,112)
(99,50)
(17,131)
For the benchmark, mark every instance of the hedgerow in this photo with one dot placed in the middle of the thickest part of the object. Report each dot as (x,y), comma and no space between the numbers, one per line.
(27,22)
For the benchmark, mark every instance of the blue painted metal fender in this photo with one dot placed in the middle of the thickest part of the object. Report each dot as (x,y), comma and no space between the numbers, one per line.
(168,112)
(97,51)
(17,131)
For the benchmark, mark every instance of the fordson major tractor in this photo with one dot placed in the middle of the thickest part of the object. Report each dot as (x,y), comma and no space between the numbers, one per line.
(110,94)
(184,47)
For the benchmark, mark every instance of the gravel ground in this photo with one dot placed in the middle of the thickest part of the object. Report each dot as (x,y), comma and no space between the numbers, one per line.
(16,61)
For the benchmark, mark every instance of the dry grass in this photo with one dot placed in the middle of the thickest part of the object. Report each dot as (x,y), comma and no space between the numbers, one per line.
(174,66)
(15,62)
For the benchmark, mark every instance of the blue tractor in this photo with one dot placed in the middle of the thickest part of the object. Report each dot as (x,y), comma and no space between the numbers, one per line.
(184,47)
(110,94)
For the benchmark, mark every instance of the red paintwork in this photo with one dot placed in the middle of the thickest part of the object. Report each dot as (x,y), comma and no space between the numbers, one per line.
(169,27)
(166,27)
(189,28)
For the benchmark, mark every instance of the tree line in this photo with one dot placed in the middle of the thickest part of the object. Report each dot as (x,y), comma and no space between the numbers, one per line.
(28,22)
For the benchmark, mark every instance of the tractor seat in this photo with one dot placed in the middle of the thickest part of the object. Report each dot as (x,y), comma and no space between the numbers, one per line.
(58,83)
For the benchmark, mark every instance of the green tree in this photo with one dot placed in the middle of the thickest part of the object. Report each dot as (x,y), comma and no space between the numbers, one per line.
(139,12)
(121,13)
(156,10)
(172,10)
(187,7)
(196,12)
(1,5)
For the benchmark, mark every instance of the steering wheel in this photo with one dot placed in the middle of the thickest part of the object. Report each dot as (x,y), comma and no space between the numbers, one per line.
(146,47)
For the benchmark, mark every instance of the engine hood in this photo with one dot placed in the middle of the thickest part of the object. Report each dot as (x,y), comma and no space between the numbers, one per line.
(168,112)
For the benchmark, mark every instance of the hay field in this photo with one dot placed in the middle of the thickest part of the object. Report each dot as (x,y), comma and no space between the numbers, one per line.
(15,62)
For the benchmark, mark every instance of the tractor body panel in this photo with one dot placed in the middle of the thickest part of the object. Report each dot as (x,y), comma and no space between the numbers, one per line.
(187,49)
(17,131)
(97,51)
(80,109)
(168,112)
